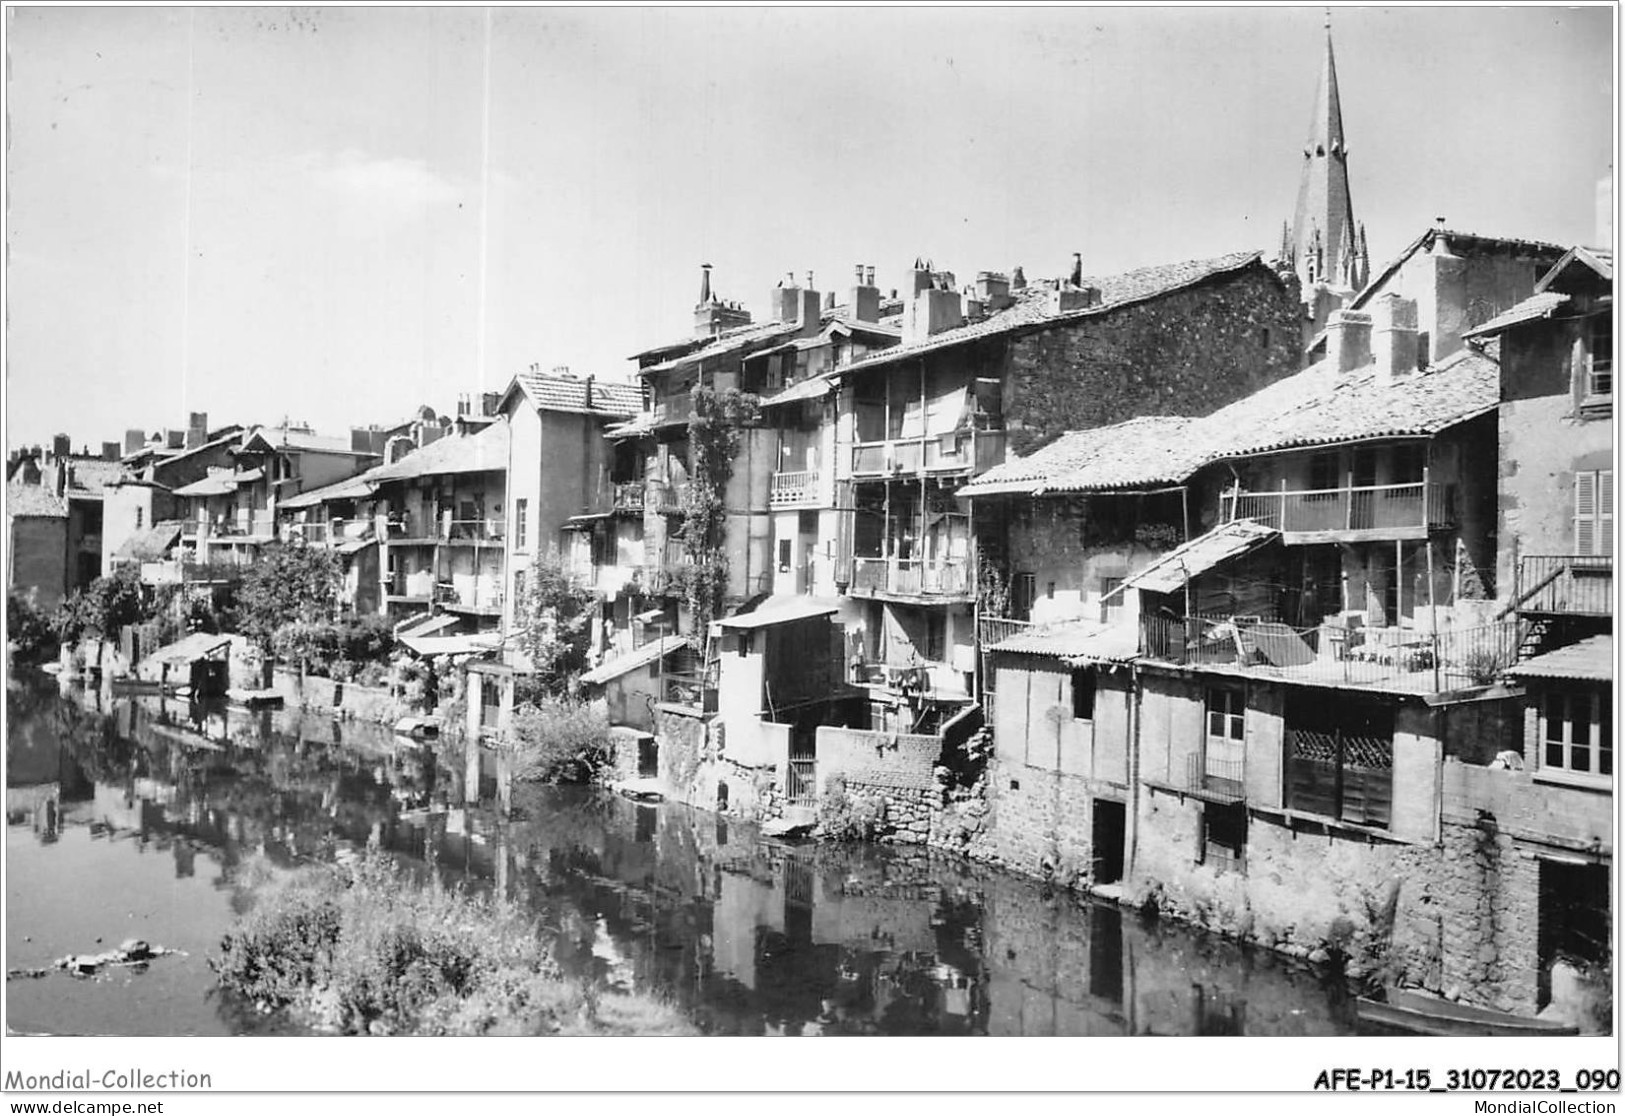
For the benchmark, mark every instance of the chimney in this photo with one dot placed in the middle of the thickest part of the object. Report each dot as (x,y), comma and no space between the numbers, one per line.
(807,309)
(865,296)
(787,299)
(60,446)
(931,311)
(1348,339)
(1018,279)
(488,403)
(175,439)
(110,451)
(705,284)
(993,289)
(1393,336)
(197,429)
(134,441)
(919,276)
(1076,278)
(589,391)
(714,315)
(973,308)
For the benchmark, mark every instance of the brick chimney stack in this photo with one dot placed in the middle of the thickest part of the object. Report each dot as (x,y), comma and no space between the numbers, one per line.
(865,296)
(197,429)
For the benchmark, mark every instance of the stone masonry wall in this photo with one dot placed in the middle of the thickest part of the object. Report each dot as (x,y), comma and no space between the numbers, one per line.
(1188,353)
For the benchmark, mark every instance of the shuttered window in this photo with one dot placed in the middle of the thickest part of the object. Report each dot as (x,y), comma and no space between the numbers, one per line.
(1594,512)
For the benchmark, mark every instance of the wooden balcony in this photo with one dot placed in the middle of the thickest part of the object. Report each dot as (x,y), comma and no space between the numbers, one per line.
(961,451)
(673,410)
(793,489)
(948,579)
(1353,513)
(1566,584)
(480,597)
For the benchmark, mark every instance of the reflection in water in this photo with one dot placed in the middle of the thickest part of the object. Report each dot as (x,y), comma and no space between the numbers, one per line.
(748,935)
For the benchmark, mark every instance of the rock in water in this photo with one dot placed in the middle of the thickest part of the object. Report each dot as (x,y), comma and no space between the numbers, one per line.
(134,949)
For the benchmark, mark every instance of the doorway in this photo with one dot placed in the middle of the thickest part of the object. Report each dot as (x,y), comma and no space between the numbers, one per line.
(1110,828)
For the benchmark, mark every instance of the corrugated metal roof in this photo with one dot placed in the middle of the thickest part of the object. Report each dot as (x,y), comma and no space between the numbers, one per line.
(485,452)
(1076,642)
(1590,660)
(198,645)
(1530,309)
(1185,561)
(215,484)
(632,660)
(815,388)
(783,611)
(453,645)
(729,341)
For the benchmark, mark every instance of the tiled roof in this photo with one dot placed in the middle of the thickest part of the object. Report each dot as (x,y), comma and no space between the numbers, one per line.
(1075,641)
(1530,309)
(485,452)
(1590,660)
(1032,307)
(1199,555)
(352,488)
(729,341)
(150,545)
(91,474)
(566,393)
(1141,451)
(1318,406)
(1321,405)
(34,500)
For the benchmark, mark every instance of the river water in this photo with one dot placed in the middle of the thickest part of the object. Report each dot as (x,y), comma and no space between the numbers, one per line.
(151,818)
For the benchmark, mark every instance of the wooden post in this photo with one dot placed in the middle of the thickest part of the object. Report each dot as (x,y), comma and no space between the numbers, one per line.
(1348,500)
(471,771)
(1282,525)
(1433,615)
(1399,580)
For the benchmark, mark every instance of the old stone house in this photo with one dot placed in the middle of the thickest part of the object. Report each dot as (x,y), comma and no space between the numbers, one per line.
(1555,526)
(54,521)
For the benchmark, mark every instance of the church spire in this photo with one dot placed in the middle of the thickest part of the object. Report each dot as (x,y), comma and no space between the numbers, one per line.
(1324,206)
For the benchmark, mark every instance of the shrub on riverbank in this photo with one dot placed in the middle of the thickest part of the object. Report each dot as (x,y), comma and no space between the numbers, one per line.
(28,627)
(561,740)
(353,951)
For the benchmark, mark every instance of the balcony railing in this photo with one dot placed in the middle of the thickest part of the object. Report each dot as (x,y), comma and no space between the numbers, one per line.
(996,629)
(1217,772)
(961,450)
(483,596)
(1573,584)
(793,489)
(471,530)
(629,496)
(1416,661)
(665,496)
(1375,508)
(910,577)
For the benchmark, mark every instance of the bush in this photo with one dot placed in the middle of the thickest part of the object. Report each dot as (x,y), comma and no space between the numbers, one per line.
(561,740)
(850,817)
(101,608)
(358,951)
(28,628)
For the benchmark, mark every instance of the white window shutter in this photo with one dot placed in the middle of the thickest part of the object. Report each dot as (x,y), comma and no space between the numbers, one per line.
(1585,513)
(1605,512)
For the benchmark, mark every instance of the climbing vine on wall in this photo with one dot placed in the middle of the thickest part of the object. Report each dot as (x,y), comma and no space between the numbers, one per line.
(714,433)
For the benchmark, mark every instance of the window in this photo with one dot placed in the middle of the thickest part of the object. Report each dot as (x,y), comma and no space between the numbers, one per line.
(138,516)
(518,589)
(1576,733)
(1083,694)
(1226,736)
(1423,344)
(1600,366)
(521,512)
(1224,837)
(784,555)
(1022,593)
(1324,476)
(1111,601)
(1594,512)
(1409,462)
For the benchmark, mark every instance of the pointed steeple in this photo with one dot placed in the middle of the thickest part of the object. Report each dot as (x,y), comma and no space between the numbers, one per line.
(1325,212)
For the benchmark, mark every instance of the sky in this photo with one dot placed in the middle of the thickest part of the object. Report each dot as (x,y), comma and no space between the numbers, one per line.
(336,215)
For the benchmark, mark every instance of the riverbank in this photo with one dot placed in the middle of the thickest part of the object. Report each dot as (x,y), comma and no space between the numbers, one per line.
(347,949)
